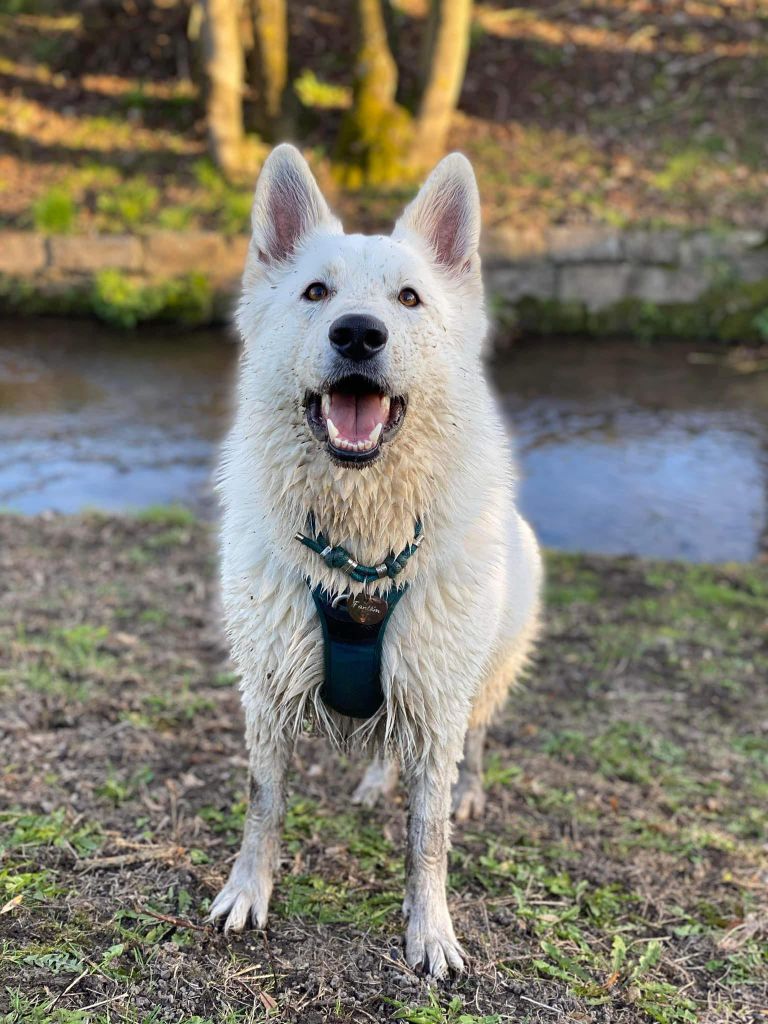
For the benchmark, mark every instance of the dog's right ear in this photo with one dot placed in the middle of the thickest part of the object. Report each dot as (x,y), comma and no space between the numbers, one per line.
(446,215)
(287,206)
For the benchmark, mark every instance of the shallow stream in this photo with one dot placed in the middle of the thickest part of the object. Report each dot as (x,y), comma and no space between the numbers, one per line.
(657,450)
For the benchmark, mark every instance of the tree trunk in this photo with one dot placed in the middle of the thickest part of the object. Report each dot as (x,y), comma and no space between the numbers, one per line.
(270,63)
(376,68)
(223,64)
(375,135)
(445,61)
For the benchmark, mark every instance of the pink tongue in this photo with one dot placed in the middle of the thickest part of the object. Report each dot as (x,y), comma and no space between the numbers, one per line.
(355,416)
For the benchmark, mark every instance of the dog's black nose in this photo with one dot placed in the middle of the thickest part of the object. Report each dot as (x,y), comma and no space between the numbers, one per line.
(358,336)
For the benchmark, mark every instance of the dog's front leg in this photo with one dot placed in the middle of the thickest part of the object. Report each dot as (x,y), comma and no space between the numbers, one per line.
(430,942)
(249,886)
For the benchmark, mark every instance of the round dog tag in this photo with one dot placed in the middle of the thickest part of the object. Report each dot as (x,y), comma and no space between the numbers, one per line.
(366,609)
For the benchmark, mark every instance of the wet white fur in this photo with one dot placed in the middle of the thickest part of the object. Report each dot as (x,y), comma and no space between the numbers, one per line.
(466,624)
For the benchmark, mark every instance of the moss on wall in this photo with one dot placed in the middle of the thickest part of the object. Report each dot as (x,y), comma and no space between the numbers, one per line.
(117,299)
(733,312)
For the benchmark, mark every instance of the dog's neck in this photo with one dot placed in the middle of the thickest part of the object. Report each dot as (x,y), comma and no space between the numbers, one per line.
(372,512)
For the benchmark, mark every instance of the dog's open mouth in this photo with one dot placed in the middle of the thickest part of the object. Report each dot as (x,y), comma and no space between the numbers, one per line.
(355,417)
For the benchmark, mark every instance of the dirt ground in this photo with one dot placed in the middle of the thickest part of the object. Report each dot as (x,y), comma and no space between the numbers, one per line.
(615,111)
(620,874)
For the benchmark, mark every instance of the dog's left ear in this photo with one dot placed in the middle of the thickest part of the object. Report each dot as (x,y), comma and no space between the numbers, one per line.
(446,215)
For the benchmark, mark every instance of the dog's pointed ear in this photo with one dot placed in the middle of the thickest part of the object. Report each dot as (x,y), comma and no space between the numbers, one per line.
(287,206)
(446,215)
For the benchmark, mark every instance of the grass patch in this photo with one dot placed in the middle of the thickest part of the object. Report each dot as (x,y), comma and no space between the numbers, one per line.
(54,212)
(65,661)
(436,1011)
(230,203)
(623,975)
(127,205)
(22,832)
(169,516)
(626,750)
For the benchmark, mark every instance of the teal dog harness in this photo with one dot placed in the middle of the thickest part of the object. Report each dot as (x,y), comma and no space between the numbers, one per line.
(354,626)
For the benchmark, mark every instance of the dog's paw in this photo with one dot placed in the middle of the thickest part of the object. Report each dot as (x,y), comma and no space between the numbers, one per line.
(468,798)
(380,780)
(432,947)
(240,903)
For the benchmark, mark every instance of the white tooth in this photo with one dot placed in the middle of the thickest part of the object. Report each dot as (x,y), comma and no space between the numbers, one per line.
(385,406)
(325,405)
(332,431)
(375,434)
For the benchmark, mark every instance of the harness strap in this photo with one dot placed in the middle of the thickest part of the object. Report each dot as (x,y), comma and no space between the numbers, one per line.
(352,684)
(339,558)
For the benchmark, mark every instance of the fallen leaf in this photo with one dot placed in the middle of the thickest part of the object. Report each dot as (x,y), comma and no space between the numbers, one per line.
(12,903)
(126,639)
(267,1001)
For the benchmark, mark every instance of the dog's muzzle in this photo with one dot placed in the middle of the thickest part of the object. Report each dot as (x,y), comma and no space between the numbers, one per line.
(355,417)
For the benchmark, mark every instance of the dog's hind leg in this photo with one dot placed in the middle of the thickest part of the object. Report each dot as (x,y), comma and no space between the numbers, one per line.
(245,897)
(380,780)
(430,942)
(468,797)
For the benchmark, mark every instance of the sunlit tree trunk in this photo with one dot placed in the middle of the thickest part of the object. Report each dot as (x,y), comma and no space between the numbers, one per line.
(223,65)
(376,67)
(445,61)
(270,64)
(374,143)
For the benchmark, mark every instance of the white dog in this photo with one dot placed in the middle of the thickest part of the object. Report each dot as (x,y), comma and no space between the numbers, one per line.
(365,427)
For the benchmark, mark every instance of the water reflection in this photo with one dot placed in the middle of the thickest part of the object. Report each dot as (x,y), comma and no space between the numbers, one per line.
(624,448)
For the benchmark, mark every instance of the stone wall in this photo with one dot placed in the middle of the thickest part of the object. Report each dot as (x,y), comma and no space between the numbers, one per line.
(593,267)
(600,267)
(58,260)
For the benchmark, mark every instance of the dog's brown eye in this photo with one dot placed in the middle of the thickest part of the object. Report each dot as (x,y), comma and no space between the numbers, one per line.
(316,291)
(408,297)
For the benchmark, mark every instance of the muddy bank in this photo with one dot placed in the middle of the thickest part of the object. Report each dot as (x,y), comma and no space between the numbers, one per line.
(619,876)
